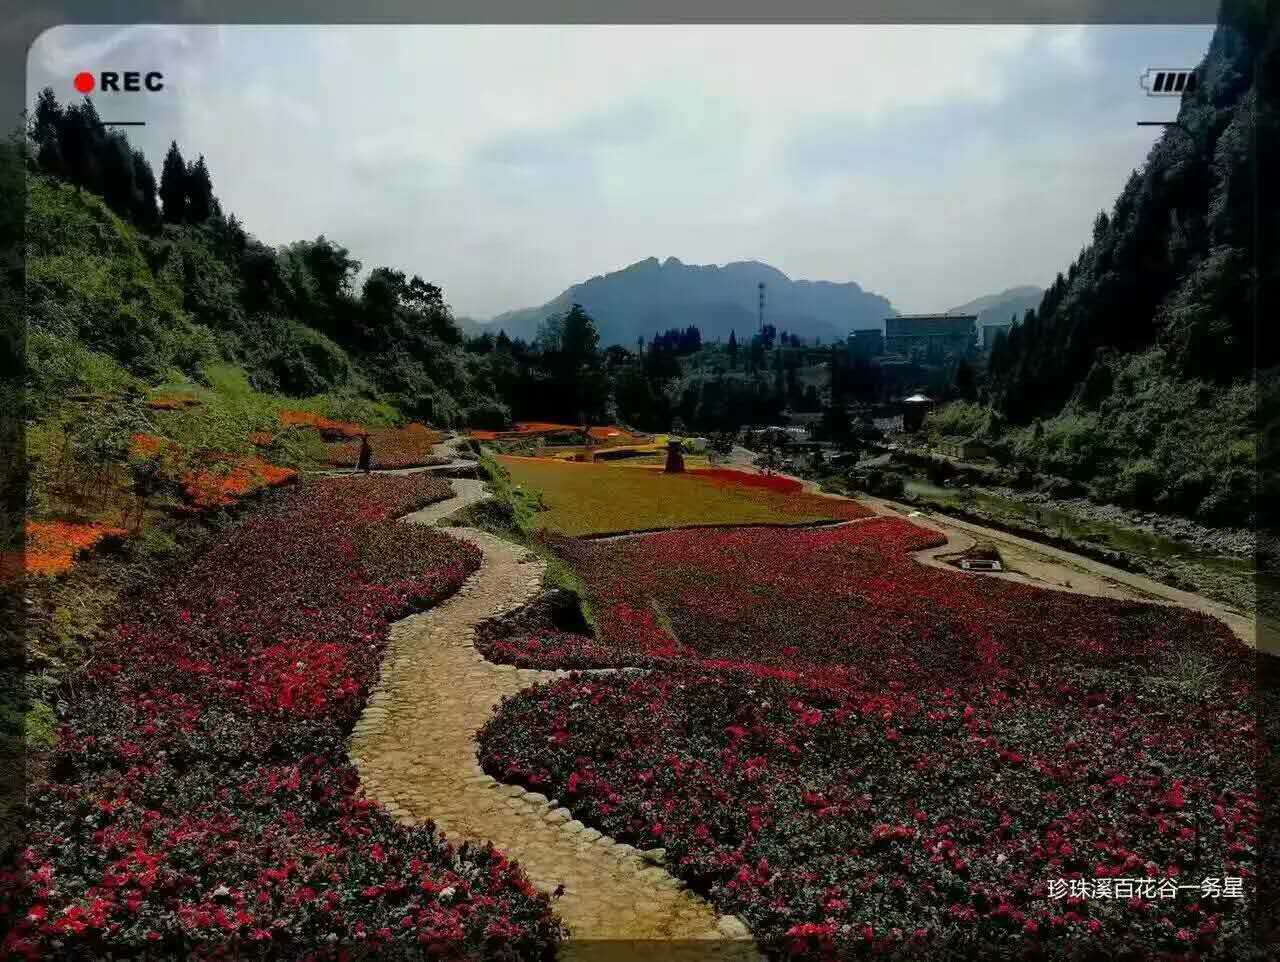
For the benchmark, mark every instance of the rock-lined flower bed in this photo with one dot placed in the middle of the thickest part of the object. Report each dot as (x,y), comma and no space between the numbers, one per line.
(862,755)
(409,447)
(202,799)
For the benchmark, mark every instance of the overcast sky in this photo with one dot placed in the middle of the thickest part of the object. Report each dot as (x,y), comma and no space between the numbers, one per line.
(929,164)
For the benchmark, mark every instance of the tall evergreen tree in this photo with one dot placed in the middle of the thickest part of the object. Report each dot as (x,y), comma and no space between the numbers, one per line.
(143,210)
(173,186)
(46,121)
(579,338)
(78,131)
(116,172)
(200,201)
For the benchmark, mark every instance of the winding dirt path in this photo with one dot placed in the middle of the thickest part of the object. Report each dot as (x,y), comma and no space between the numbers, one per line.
(415,749)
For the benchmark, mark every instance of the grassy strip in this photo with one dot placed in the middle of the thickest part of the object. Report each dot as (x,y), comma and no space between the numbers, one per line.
(585,499)
(511,514)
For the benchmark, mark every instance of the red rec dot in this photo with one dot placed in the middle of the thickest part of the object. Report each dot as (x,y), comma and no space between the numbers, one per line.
(84,81)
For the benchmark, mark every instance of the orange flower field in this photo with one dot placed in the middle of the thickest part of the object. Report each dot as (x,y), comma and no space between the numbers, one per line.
(229,478)
(52,547)
(322,424)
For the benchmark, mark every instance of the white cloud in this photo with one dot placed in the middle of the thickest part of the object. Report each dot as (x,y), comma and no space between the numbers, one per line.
(931,164)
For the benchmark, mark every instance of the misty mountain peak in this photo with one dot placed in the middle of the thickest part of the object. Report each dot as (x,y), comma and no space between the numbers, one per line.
(654,295)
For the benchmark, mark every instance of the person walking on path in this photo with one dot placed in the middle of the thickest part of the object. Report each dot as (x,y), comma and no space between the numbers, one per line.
(366,454)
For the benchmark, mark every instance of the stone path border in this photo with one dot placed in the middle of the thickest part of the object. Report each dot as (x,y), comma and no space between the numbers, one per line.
(415,750)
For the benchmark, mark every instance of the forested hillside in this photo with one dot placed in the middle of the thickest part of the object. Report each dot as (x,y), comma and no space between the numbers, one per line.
(118,287)
(134,281)
(1135,372)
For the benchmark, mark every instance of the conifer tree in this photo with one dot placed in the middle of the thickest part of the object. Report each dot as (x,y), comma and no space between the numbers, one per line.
(173,186)
(200,202)
(46,120)
(143,210)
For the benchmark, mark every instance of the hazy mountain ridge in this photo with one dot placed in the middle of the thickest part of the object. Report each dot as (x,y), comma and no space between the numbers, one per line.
(1012,302)
(653,295)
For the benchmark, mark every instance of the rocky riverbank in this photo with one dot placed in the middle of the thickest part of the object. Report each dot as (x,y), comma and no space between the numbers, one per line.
(1232,542)
(1231,584)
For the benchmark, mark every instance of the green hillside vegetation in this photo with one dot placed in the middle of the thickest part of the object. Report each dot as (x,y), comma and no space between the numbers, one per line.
(1136,373)
(1155,441)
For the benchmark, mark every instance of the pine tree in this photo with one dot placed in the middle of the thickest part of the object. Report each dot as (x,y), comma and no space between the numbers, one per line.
(173,186)
(200,202)
(144,211)
(76,138)
(733,350)
(46,120)
(115,173)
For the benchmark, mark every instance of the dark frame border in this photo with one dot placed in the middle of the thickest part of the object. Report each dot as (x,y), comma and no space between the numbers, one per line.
(25,22)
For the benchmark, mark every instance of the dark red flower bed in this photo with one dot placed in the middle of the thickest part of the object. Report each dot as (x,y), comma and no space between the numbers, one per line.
(863,755)
(772,482)
(549,648)
(202,799)
(848,606)
(841,826)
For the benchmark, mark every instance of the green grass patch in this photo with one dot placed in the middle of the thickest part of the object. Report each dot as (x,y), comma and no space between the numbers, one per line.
(586,499)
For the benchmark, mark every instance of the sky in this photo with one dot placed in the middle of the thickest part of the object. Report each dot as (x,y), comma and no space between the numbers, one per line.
(931,165)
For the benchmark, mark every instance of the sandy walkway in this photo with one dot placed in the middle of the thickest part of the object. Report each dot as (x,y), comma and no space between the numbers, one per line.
(415,749)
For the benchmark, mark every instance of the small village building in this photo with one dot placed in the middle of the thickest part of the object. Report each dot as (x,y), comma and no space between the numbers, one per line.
(931,338)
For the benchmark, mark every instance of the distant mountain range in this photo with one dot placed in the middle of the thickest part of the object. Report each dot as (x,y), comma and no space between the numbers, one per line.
(651,296)
(999,308)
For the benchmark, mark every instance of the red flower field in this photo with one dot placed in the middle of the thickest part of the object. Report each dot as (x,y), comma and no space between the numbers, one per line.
(772,482)
(201,799)
(863,755)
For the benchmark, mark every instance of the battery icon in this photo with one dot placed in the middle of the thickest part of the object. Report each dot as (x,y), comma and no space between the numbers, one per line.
(1167,81)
